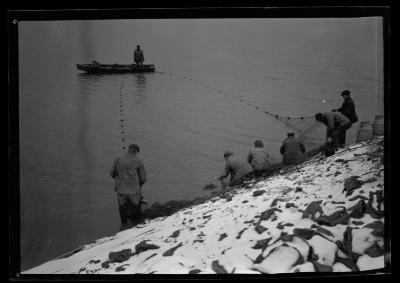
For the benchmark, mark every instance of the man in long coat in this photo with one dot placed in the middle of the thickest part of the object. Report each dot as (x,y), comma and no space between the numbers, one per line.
(130,175)
(138,56)
(348,109)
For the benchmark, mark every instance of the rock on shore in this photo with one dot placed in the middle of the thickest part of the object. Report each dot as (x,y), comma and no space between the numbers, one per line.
(325,215)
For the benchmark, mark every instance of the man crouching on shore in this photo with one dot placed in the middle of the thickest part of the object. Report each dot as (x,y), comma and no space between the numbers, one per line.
(237,167)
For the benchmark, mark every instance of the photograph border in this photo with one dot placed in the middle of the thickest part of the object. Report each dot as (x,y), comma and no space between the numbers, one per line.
(15,16)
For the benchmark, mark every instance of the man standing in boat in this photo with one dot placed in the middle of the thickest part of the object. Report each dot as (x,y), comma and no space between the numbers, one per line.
(130,175)
(138,56)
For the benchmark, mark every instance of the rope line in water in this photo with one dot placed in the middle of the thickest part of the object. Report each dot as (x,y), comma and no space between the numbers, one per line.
(121,114)
(276,116)
(304,124)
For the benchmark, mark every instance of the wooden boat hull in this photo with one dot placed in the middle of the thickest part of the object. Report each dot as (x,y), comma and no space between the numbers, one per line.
(115,68)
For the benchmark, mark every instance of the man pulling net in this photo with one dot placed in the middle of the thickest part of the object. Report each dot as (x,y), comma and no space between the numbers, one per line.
(336,126)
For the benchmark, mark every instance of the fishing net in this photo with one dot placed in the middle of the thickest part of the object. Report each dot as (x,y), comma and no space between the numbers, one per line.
(304,127)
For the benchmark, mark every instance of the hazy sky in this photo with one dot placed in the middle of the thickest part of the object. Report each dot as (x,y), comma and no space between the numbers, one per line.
(165,39)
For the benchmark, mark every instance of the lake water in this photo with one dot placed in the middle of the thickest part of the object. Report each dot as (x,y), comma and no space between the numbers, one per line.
(70,122)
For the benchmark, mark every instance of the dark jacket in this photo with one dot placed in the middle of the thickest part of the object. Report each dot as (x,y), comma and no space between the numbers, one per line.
(348,109)
(237,167)
(129,174)
(138,55)
(333,120)
(292,150)
(259,159)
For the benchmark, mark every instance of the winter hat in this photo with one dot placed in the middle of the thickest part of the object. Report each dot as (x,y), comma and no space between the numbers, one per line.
(228,153)
(346,92)
(258,143)
(133,147)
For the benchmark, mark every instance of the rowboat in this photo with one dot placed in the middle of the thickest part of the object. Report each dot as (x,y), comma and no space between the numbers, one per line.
(96,67)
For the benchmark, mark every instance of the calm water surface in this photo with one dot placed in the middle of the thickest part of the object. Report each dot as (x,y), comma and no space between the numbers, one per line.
(70,121)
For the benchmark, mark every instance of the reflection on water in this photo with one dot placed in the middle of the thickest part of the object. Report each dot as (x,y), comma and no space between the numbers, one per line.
(141,81)
(138,87)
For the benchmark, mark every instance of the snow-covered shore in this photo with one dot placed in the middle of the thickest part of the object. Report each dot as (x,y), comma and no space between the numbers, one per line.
(325,215)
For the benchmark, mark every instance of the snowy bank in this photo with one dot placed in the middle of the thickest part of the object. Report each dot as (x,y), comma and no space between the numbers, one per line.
(325,215)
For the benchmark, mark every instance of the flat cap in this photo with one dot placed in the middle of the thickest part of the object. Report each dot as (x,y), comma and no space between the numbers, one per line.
(345,92)
(134,147)
(228,153)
